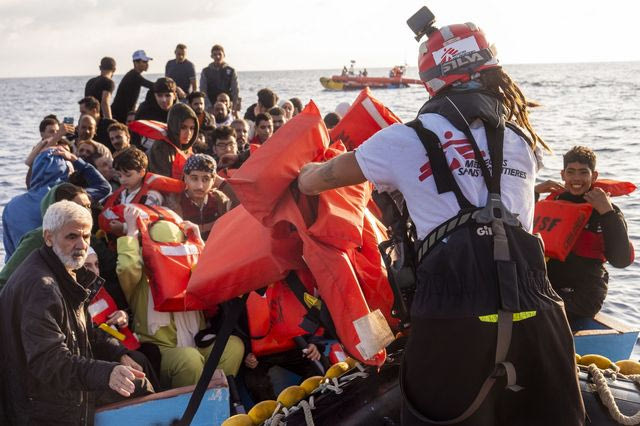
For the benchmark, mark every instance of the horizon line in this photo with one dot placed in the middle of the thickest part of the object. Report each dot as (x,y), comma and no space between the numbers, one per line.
(329,69)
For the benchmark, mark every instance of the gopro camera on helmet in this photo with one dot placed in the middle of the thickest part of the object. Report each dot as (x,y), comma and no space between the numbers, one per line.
(421,23)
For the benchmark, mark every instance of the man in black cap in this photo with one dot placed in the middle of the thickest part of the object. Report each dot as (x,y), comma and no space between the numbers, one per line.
(129,88)
(101,87)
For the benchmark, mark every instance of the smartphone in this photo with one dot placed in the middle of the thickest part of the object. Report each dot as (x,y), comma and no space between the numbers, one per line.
(67,120)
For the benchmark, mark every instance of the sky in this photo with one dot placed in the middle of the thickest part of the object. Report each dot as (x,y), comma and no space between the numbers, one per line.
(68,37)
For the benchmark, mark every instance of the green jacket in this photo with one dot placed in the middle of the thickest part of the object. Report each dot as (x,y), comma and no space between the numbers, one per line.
(135,287)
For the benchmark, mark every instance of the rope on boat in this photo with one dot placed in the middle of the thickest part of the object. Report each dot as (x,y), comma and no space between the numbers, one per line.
(607,397)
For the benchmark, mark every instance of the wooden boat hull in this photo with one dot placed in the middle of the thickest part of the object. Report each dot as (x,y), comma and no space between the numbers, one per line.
(164,407)
(605,336)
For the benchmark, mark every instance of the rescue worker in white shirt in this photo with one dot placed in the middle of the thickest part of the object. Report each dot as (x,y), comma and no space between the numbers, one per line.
(454,308)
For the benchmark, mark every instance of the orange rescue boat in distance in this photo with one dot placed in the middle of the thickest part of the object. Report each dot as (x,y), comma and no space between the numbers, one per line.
(351,81)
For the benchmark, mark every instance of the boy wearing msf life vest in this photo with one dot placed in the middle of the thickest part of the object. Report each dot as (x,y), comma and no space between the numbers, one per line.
(173,332)
(130,165)
(581,280)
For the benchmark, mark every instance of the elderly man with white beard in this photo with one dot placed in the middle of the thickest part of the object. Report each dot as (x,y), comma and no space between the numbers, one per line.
(54,363)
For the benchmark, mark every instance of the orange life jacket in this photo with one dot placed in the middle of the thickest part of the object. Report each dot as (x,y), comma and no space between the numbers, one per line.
(150,182)
(274,319)
(253,257)
(263,186)
(168,265)
(365,117)
(561,223)
(101,306)
(157,130)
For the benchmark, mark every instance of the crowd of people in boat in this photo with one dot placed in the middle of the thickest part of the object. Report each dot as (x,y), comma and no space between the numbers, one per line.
(79,337)
(60,359)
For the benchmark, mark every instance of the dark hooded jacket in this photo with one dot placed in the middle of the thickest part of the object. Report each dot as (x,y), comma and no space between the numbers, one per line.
(33,240)
(49,349)
(162,154)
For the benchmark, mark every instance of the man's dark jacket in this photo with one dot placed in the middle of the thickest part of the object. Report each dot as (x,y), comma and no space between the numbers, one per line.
(49,348)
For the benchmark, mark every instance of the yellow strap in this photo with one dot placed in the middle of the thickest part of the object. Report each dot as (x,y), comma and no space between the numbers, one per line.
(311,301)
(110,330)
(517,316)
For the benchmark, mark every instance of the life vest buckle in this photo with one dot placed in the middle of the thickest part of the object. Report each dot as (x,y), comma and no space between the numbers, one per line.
(495,210)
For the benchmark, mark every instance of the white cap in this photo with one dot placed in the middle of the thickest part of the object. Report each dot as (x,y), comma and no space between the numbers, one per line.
(140,55)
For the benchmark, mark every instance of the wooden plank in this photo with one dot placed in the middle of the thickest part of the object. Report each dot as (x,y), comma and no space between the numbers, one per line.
(611,322)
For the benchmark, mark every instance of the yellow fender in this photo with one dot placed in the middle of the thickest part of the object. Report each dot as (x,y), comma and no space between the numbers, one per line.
(311,384)
(602,362)
(628,366)
(262,411)
(291,396)
(238,420)
(578,359)
(337,370)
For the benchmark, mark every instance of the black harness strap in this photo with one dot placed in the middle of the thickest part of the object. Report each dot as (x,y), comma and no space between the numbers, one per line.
(442,176)
(317,312)
(493,213)
(228,324)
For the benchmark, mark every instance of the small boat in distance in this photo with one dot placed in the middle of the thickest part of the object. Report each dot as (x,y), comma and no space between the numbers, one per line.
(350,81)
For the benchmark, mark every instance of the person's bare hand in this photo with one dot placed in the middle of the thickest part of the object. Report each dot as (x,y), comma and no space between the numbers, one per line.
(61,152)
(599,200)
(131,215)
(121,379)
(118,318)
(311,352)
(191,227)
(549,186)
(227,160)
(127,361)
(180,93)
(251,361)
(65,129)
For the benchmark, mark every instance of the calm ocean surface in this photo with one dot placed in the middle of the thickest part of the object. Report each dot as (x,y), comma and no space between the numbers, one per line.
(587,104)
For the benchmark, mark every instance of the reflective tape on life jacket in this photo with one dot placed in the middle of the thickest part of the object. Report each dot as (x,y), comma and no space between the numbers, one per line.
(560,223)
(274,319)
(150,182)
(101,306)
(167,265)
(365,117)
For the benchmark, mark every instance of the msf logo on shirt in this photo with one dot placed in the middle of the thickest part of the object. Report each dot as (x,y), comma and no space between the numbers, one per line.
(461,146)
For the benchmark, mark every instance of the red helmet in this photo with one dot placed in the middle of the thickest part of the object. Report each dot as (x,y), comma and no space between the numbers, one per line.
(455,53)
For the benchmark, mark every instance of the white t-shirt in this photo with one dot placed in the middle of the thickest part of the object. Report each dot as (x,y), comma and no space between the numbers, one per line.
(395,159)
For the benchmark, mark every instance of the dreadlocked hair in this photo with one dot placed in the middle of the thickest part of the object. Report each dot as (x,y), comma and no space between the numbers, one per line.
(513,99)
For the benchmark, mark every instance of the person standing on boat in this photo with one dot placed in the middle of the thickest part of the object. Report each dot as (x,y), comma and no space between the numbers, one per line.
(581,280)
(182,71)
(102,86)
(219,77)
(129,87)
(457,310)
(51,370)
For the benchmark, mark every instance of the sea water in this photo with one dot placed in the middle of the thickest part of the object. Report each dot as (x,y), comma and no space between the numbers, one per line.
(593,104)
